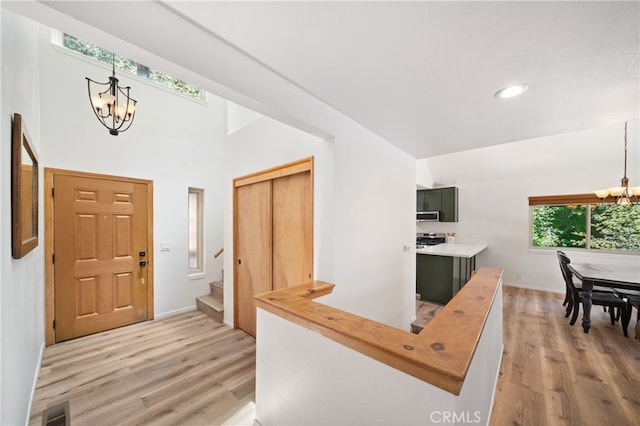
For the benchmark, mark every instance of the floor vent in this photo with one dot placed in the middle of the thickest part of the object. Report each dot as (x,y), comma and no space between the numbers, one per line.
(57,415)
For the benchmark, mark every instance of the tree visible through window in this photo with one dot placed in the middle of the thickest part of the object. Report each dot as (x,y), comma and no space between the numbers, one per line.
(615,227)
(128,65)
(592,226)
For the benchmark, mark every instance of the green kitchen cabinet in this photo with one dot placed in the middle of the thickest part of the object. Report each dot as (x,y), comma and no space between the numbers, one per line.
(433,200)
(449,204)
(444,200)
(421,200)
(439,278)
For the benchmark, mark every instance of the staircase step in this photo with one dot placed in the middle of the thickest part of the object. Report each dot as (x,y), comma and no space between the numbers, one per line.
(216,288)
(425,312)
(208,305)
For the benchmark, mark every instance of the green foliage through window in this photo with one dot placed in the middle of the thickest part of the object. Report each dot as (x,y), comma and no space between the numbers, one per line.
(611,227)
(128,65)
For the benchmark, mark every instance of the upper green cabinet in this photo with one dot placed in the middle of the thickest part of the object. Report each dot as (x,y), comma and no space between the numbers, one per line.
(444,200)
(421,197)
(429,200)
(449,204)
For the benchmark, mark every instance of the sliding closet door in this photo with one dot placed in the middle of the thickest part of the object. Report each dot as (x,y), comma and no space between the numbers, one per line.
(273,235)
(253,248)
(292,230)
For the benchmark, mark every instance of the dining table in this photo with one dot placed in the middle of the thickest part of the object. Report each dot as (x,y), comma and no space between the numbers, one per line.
(623,277)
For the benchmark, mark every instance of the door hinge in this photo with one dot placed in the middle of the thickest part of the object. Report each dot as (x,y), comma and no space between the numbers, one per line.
(53,258)
(54,324)
(52,191)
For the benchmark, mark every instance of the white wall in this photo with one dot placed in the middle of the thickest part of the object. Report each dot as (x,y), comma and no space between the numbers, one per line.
(263,143)
(494,184)
(374,200)
(239,117)
(21,289)
(304,378)
(423,174)
(174,141)
(363,214)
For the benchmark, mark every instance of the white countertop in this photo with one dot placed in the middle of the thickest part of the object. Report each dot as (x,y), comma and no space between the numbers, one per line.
(453,250)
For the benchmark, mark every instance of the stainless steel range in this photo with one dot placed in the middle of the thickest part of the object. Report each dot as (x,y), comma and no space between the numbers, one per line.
(429,239)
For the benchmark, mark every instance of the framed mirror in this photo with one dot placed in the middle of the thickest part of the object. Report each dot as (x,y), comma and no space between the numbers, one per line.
(24,190)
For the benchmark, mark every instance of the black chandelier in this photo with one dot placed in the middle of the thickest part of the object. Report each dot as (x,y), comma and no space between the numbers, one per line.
(114,107)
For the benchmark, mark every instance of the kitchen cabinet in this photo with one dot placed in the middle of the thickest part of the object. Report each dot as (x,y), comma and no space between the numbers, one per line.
(428,200)
(439,278)
(434,199)
(421,199)
(449,204)
(444,200)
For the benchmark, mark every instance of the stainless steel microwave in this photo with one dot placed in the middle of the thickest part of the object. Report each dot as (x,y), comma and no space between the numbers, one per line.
(431,216)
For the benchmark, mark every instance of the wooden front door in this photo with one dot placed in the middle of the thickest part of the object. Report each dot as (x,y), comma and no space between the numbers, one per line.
(273,245)
(101,254)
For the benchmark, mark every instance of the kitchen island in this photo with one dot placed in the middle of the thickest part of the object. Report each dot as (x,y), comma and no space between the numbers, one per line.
(443,269)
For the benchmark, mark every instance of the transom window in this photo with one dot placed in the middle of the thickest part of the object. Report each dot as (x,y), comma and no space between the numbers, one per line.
(582,221)
(128,65)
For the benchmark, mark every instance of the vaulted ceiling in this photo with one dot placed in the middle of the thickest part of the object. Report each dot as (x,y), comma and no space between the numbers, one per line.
(422,75)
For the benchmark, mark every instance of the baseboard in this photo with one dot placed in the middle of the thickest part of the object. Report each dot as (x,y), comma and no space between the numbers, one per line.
(35,382)
(532,287)
(228,323)
(495,385)
(175,312)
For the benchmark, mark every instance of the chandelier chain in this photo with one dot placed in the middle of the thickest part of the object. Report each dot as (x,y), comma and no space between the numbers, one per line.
(625,149)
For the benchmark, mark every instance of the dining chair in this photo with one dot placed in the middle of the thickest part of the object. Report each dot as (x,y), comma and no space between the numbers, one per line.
(568,299)
(608,299)
(632,297)
(567,293)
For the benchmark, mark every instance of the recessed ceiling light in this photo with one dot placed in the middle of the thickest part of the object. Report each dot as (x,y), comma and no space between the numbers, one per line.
(511,91)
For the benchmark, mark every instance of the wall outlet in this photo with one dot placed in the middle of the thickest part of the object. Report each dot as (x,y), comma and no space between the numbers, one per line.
(165,246)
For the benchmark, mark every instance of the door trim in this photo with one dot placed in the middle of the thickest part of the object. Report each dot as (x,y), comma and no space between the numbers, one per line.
(292,168)
(49,305)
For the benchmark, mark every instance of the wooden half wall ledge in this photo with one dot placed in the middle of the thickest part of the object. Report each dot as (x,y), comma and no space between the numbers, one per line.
(440,355)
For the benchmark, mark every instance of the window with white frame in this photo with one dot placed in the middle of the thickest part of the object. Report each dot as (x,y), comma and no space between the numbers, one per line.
(196,248)
(584,222)
(126,65)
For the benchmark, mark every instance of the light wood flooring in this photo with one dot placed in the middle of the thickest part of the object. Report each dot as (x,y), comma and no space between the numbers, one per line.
(554,374)
(189,370)
(186,369)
